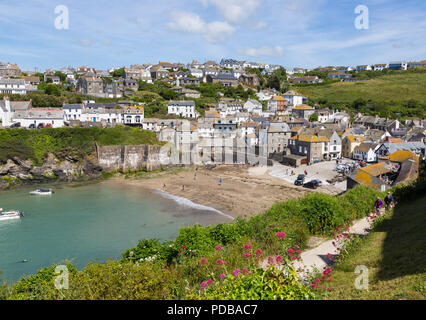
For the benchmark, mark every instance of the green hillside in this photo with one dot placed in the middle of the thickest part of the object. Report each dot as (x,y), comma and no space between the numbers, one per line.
(398,94)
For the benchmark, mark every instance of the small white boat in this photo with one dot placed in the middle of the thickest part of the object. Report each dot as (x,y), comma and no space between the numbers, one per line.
(10,215)
(42,192)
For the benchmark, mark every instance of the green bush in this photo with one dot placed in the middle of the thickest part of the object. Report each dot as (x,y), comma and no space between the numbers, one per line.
(270,284)
(151,250)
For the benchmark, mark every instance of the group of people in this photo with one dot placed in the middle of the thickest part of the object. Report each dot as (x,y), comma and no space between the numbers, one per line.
(389,202)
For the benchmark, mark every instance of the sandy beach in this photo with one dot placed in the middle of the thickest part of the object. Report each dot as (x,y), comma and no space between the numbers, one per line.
(244,191)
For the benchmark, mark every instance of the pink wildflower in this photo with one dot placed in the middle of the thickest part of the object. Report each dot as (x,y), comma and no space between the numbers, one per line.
(210,281)
(280,235)
(245,271)
(279,259)
(247,255)
(290,251)
(222,276)
(247,246)
(218,248)
(203,261)
(236,272)
(204,285)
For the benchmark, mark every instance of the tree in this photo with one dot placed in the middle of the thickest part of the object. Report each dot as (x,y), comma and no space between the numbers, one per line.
(313,117)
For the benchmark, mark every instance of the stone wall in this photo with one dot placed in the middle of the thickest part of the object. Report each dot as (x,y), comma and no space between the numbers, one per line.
(129,158)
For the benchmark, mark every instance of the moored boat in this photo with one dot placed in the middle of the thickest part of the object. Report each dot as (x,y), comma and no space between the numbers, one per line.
(10,215)
(42,192)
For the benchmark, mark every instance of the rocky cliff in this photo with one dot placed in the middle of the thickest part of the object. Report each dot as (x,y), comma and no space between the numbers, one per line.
(17,171)
(107,158)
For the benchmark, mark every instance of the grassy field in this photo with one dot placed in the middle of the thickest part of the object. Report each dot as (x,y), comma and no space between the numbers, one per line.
(398,87)
(395,255)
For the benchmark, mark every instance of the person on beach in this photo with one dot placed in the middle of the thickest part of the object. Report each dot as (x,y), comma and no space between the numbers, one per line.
(389,201)
(164,186)
(220,181)
(183,188)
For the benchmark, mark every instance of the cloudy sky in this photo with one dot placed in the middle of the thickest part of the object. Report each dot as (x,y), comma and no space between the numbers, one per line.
(304,33)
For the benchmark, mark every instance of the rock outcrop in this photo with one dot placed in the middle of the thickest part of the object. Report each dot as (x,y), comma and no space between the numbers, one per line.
(17,171)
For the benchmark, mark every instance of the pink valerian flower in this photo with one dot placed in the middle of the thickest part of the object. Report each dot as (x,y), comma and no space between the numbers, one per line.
(296,247)
(219,262)
(204,285)
(247,255)
(279,259)
(218,248)
(184,247)
(271,261)
(222,276)
(290,252)
(247,246)
(280,235)
(259,253)
(236,272)
(203,261)
(293,258)
(210,281)
(245,271)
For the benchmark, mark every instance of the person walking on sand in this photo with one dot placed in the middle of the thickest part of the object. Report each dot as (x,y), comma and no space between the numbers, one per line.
(164,186)
(220,181)
(183,188)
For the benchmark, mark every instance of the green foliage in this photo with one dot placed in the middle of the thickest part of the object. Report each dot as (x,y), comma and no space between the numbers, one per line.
(313,117)
(38,284)
(151,250)
(270,284)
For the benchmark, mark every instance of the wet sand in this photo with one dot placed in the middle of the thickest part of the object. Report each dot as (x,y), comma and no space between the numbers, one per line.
(245,191)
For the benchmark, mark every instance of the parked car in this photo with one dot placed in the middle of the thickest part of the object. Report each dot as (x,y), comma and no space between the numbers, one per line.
(318,181)
(313,184)
(15,125)
(32,126)
(48,125)
(300,180)
(40,126)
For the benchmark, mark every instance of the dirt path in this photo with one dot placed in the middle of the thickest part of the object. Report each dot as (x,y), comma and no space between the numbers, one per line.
(316,258)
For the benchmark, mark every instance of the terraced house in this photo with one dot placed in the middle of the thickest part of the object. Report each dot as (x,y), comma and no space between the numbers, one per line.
(314,148)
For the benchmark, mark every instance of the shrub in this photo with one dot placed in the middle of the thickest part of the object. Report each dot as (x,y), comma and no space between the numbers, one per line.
(151,250)
(270,284)
(322,212)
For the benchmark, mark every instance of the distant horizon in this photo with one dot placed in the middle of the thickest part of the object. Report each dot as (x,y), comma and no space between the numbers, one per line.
(304,33)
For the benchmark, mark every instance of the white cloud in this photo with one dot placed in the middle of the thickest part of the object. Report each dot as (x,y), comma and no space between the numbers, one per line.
(259,25)
(216,31)
(264,51)
(187,22)
(234,11)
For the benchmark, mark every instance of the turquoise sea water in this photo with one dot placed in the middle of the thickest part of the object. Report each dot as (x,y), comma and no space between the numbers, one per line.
(86,223)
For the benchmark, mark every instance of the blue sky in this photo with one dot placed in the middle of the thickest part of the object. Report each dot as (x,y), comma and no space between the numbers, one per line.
(305,33)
